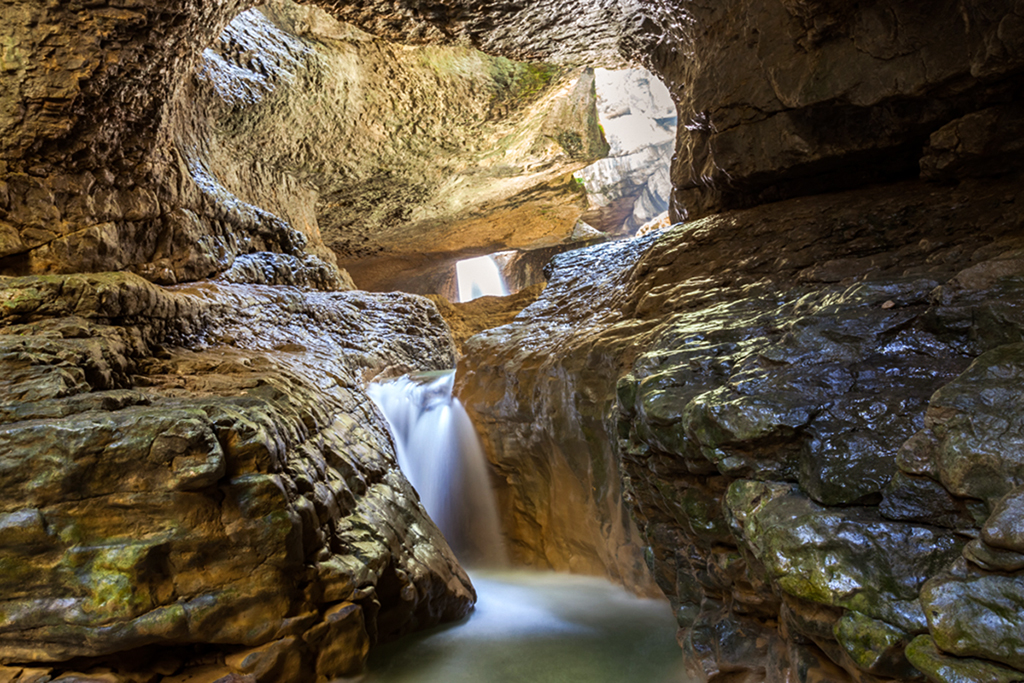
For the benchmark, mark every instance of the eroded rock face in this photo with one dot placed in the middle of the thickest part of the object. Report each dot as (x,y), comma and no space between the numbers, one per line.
(170,147)
(813,417)
(201,466)
(399,159)
(780,99)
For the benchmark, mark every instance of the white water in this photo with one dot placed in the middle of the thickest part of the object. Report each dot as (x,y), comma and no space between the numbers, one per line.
(479,277)
(530,627)
(527,627)
(439,453)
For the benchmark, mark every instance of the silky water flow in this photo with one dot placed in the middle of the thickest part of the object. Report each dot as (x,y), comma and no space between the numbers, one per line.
(528,626)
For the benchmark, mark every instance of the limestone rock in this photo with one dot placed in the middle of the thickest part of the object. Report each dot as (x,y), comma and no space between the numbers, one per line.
(783,99)
(227,493)
(971,428)
(987,142)
(942,668)
(275,130)
(1005,527)
(776,373)
(631,186)
(977,616)
(472,317)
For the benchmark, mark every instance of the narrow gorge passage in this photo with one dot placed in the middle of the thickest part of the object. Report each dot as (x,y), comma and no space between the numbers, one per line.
(527,626)
(766,365)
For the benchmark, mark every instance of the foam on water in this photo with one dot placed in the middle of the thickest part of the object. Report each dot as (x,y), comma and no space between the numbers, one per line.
(532,627)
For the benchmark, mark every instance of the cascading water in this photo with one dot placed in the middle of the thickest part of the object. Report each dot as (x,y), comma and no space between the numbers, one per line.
(528,627)
(479,277)
(440,454)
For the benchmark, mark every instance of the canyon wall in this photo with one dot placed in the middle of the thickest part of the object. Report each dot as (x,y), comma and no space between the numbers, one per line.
(195,483)
(805,395)
(201,465)
(813,421)
(797,412)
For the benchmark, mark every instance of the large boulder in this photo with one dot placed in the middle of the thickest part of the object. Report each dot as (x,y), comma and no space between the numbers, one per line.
(237,491)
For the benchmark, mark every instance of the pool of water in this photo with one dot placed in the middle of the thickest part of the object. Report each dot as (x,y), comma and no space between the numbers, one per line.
(531,627)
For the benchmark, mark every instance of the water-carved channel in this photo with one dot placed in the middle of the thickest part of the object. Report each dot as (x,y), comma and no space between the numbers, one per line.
(532,626)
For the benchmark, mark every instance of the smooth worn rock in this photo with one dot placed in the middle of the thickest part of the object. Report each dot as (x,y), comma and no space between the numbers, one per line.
(973,428)
(160,495)
(1005,527)
(472,317)
(777,372)
(942,668)
(276,130)
(783,99)
(977,616)
(631,185)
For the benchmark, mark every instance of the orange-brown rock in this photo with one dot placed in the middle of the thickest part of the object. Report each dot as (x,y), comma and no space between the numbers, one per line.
(241,492)
(472,317)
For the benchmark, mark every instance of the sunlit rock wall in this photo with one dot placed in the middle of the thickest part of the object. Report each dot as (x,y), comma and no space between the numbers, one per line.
(168,141)
(397,160)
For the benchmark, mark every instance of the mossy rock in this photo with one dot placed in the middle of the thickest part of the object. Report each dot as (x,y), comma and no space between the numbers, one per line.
(943,668)
(848,558)
(978,616)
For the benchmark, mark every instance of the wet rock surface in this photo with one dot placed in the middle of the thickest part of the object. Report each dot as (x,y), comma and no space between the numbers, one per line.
(815,430)
(800,422)
(197,466)
(469,318)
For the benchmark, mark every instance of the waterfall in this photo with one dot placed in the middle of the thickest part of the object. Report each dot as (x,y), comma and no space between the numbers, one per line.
(479,277)
(439,453)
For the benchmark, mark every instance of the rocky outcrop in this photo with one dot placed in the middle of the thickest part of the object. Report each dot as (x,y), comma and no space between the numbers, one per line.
(631,186)
(398,159)
(808,408)
(539,393)
(783,98)
(296,135)
(201,466)
(814,423)
(470,318)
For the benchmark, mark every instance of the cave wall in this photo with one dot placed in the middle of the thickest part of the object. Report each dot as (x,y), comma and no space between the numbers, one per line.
(797,415)
(785,98)
(191,466)
(799,390)
(171,139)
(201,466)
(812,427)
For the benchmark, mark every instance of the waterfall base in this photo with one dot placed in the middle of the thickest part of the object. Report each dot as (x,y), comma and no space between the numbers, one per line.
(531,627)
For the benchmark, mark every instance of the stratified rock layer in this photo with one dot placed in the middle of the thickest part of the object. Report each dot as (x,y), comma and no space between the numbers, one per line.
(201,466)
(169,139)
(786,98)
(816,409)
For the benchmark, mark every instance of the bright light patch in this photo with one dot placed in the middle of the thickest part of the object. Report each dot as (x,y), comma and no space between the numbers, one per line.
(479,277)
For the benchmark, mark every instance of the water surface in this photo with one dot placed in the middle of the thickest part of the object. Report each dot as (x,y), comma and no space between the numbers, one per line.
(531,627)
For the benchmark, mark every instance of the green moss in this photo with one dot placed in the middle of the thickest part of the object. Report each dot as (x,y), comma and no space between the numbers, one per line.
(943,668)
(518,80)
